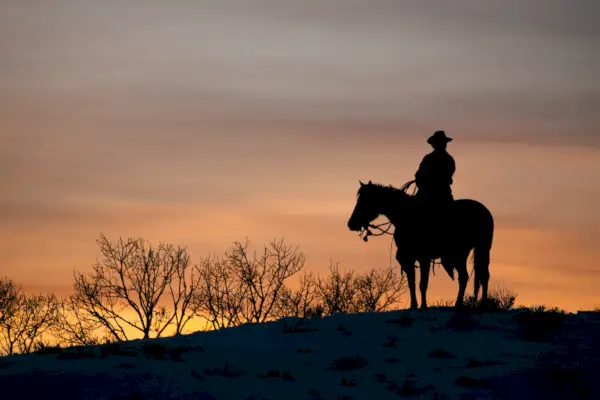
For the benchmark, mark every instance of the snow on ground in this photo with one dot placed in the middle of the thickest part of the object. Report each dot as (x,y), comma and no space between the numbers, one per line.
(392,355)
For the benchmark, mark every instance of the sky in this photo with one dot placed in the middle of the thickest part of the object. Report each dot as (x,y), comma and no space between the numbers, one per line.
(201,123)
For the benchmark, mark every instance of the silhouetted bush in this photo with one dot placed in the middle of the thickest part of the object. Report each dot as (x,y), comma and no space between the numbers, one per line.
(227,291)
(301,302)
(163,291)
(76,327)
(539,323)
(240,288)
(500,299)
(343,292)
(24,319)
(134,276)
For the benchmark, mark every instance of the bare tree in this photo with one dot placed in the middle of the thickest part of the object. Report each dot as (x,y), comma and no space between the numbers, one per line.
(25,318)
(302,302)
(337,293)
(379,289)
(134,276)
(75,327)
(372,291)
(181,287)
(263,276)
(220,295)
(8,294)
(243,288)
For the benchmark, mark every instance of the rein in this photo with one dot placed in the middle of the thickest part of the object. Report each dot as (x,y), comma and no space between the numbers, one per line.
(365,232)
(407,185)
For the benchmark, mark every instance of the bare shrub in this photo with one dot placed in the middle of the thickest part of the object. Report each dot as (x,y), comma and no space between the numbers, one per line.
(240,287)
(372,291)
(134,276)
(8,295)
(75,327)
(24,319)
(301,302)
(220,295)
(500,299)
(379,289)
(337,292)
(503,297)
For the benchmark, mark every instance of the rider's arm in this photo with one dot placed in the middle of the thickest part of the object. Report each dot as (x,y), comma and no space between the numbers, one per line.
(421,171)
(451,169)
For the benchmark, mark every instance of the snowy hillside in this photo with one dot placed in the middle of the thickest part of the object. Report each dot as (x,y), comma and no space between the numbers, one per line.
(400,354)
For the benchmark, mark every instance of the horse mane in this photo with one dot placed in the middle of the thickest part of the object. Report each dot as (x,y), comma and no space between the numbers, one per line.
(381,185)
(386,188)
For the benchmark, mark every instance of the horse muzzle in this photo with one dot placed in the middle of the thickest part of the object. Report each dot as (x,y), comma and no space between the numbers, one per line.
(355,227)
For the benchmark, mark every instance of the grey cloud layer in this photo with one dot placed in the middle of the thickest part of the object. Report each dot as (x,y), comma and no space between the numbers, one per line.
(93,90)
(317,60)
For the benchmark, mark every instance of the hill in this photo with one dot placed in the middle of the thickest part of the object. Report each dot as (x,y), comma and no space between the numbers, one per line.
(518,354)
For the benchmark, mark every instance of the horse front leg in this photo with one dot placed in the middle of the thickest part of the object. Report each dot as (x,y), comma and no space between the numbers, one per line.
(408,267)
(424,265)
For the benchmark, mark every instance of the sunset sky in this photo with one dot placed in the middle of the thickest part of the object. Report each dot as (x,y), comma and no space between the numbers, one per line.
(202,122)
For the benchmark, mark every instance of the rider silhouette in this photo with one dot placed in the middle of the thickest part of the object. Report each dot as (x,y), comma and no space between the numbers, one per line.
(435,172)
(434,178)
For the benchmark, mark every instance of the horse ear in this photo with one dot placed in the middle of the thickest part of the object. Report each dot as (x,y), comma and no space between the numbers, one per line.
(370,183)
(361,184)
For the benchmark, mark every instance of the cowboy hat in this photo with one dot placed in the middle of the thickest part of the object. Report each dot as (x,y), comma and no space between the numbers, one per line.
(439,136)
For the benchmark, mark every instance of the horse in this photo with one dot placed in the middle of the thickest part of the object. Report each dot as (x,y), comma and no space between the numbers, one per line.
(469,226)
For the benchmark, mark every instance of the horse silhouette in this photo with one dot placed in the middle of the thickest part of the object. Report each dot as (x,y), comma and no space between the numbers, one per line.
(469,225)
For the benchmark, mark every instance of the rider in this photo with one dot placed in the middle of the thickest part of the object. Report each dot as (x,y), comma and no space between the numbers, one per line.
(434,177)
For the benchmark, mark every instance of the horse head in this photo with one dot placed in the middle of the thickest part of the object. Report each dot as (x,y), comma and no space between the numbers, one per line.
(367,207)
(373,200)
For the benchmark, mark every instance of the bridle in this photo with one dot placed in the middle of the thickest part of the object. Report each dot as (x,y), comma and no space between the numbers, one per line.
(365,231)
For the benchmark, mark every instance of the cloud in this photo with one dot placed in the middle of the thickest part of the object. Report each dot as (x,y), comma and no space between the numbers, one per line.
(313,61)
(221,119)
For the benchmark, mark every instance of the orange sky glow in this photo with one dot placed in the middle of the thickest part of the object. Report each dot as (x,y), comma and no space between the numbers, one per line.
(204,123)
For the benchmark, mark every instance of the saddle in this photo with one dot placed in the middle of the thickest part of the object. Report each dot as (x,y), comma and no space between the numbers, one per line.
(431,220)
(432,225)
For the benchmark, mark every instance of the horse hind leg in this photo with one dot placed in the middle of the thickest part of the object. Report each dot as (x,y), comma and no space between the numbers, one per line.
(481,255)
(481,264)
(476,280)
(476,285)
(463,278)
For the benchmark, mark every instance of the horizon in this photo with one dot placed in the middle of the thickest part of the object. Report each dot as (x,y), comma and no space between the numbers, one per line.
(200,125)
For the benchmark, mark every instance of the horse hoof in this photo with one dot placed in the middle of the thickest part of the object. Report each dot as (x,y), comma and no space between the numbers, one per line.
(424,308)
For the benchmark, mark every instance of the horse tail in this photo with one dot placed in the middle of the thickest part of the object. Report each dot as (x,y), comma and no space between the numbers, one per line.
(481,258)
